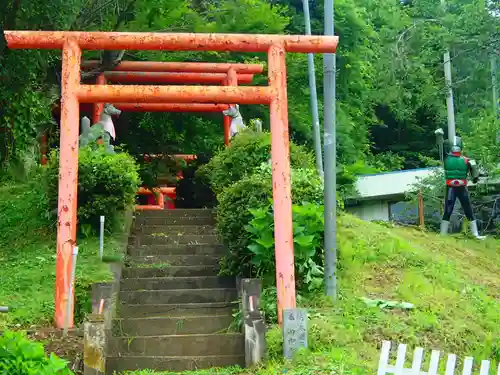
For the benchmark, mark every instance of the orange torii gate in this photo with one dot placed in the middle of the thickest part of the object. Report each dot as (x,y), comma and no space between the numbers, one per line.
(73,92)
(227,74)
(180,74)
(183,77)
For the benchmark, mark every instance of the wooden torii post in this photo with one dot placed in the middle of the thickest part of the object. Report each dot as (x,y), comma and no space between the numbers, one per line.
(73,93)
(228,74)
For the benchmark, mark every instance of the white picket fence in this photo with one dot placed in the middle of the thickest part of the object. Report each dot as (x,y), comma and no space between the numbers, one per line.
(416,368)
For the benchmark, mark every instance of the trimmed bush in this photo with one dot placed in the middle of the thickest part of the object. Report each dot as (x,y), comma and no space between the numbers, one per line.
(107,184)
(248,150)
(254,192)
(241,177)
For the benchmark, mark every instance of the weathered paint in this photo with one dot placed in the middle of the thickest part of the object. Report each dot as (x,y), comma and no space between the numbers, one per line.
(174,94)
(227,125)
(232,80)
(179,67)
(275,95)
(170,107)
(171,41)
(68,178)
(159,193)
(226,122)
(162,190)
(282,196)
(183,78)
(186,157)
(98,107)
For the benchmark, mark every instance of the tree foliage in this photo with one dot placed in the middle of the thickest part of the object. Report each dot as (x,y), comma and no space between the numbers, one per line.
(390,83)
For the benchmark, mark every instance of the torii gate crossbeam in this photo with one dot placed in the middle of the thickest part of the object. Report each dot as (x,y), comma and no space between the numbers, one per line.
(206,73)
(171,107)
(179,67)
(172,77)
(275,95)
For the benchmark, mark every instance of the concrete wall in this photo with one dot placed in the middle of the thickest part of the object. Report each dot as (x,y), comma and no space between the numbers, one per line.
(370,210)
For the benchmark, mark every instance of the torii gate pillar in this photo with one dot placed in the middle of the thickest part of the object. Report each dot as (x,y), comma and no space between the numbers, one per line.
(68,177)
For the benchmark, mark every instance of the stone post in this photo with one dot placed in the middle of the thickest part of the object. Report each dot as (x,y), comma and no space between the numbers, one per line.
(94,349)
(253,322)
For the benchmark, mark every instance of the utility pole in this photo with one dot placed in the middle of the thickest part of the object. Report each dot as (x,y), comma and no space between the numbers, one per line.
(494,83)
(449,91)
(313,95)
(330,160)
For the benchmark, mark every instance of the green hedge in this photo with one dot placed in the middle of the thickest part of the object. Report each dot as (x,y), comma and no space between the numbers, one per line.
(241,177)
(248,150)
(253,192)
(107,184)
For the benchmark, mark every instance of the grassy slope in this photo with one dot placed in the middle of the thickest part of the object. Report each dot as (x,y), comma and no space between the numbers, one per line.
(27,256)
(453,282)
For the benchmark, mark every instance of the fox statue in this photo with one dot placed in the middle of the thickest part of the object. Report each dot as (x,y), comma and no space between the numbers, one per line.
(103,129)
(237,123)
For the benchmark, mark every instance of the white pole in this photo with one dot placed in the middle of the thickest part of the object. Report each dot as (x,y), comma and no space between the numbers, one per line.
(101,239)
(330,164)
(449,92)
(70,304)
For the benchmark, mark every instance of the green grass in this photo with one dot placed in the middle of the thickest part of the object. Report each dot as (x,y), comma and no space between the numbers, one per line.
(28,256)
(215,371)
(454,283)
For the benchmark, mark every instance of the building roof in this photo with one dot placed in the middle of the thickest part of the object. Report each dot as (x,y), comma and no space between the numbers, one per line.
(394,184)
(390,184)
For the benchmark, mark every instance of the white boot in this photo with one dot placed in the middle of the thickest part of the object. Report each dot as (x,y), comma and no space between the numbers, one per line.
(445,225)
(475,232)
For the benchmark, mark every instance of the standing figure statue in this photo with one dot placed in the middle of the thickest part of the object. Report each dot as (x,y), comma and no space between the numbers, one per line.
(456,170)
(104,129)
(236,120)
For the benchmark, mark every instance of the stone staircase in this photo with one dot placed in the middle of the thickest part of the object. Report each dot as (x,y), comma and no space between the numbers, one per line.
(174,311)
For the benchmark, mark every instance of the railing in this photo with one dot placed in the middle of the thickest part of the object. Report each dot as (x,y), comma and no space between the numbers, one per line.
(416,366)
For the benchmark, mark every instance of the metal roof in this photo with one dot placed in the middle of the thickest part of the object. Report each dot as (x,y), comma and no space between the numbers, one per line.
(396,184)
(390,184)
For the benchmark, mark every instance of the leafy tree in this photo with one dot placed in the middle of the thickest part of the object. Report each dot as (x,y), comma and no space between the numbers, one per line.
(390,84)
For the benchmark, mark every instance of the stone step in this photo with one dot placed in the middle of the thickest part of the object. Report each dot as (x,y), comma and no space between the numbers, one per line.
(175,260)
(189,239)
(185,309)
(165,283)
(175,250)
(177,325)
(179,296)
(177,221)
(202,212)
(179,345)
(174,229)
(178,271)
(174,363)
